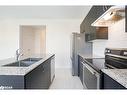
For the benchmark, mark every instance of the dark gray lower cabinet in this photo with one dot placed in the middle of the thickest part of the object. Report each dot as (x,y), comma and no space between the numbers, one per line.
(80,69)
(109,83)
(40,77)
(11,82)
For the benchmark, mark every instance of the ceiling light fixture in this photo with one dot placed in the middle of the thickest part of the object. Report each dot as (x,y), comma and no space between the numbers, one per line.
(109,15)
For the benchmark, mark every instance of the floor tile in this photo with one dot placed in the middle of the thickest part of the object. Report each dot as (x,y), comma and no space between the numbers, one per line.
(64,80)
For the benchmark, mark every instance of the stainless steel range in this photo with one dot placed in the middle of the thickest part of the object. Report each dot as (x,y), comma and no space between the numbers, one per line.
(114,58)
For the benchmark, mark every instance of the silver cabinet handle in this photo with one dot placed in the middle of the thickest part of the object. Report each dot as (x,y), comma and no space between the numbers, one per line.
(43,69)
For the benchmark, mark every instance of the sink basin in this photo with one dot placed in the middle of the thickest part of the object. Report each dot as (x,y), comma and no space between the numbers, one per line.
(23,63)
(18,64)
(32,59)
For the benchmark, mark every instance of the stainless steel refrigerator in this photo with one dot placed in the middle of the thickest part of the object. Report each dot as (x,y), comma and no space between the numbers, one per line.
(78,45)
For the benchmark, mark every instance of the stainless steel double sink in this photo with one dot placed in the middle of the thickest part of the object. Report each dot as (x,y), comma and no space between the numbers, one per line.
(23,63)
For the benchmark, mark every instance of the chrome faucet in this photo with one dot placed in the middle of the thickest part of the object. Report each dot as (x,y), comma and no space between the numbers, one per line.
(18,54)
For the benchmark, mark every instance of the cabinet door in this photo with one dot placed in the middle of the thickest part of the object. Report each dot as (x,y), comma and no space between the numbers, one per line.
(94,13)
(8,82)
(109,83)
(80,69)
(34,80)
(89,19)
(39,78)
(102,33)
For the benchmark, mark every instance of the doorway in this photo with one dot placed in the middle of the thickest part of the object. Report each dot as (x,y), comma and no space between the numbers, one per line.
(32,40)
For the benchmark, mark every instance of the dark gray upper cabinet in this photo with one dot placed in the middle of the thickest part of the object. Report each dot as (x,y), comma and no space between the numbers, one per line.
(92,32)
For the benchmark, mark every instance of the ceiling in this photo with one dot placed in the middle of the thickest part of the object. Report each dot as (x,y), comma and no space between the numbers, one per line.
(45,12)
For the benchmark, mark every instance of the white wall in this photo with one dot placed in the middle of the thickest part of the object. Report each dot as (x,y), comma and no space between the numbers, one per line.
(57,37)
(27,41)
(9,37)
(117,38)
(117,35)
(40,40)
(99,47)
(58,40)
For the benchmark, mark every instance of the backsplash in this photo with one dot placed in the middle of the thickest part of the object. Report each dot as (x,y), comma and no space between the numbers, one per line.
(117,38)
(99,47)
(117,35)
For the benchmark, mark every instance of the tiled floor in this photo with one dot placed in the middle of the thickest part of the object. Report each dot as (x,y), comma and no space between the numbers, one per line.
(64,80)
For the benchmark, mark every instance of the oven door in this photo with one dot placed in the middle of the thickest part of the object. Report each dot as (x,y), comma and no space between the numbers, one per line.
(91,78)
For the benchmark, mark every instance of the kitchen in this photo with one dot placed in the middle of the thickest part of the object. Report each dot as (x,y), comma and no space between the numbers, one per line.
(105,35)
(89,45)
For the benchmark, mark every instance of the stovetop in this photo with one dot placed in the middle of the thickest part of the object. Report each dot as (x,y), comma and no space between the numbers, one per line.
(98,63)
(114,58)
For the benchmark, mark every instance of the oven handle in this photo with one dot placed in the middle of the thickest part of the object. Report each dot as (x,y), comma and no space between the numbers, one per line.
(93,72)
(90,69)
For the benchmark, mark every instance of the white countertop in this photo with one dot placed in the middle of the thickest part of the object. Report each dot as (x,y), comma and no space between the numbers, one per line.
(90,56)
(85,56)
(20,70)
(119,75)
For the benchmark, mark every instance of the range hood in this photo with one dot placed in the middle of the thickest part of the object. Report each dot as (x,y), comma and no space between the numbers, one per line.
(112,15)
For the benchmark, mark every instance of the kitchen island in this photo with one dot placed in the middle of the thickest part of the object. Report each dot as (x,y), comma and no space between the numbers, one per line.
(114,78)
(36,76)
